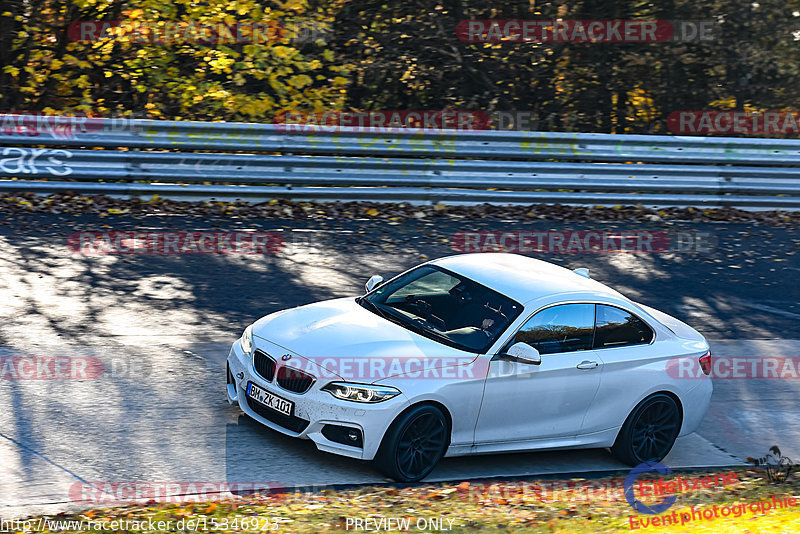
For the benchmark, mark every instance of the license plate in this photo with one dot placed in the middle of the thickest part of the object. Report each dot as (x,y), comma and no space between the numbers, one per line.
(269,400)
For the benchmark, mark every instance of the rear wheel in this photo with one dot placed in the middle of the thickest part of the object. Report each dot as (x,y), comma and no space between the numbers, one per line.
(414,444)
(649,432)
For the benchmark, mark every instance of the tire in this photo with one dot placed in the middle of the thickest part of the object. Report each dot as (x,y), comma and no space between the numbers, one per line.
(414,444)
(649,431)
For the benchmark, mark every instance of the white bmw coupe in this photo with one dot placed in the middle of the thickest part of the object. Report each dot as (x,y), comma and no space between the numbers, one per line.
(472,354)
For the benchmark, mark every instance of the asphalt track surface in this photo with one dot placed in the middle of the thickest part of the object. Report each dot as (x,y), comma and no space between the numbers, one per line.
(162,325)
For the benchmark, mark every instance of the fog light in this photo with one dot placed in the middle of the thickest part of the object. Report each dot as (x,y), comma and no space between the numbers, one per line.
(345,435)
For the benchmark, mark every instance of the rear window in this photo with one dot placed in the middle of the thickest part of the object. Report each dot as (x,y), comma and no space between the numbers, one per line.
(616,327)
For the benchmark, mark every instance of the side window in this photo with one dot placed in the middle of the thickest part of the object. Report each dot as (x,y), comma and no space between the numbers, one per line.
(617,327)
(562,328)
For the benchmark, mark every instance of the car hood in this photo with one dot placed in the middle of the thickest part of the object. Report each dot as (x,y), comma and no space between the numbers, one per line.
(341,328)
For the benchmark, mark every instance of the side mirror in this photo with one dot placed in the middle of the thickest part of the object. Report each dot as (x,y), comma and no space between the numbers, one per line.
(523,353)
(374,281)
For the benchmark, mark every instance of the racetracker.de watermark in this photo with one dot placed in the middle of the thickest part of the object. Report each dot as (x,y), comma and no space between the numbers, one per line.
(582,241)
(593,491)
(300,121)
(737,368)
(122,365)
(62,125)
(50,368)
(142,242)
(734,122)
(368,369)
(583,31)
(116,493)
(194,32)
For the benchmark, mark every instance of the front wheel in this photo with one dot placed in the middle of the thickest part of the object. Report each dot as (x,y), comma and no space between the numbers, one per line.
(414,444)
(649,432)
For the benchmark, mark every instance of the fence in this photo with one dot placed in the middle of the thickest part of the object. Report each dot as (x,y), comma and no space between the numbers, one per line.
(259,161)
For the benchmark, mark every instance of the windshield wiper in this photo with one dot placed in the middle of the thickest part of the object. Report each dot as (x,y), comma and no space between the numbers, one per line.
(420,328)
(429,332)
(372,306)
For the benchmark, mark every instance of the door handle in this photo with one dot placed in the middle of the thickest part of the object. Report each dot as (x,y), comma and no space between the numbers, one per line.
(586,364)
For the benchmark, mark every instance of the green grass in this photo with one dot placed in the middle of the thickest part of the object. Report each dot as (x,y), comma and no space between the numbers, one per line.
(470,507)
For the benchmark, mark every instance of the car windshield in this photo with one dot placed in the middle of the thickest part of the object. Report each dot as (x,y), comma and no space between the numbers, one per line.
(444,306)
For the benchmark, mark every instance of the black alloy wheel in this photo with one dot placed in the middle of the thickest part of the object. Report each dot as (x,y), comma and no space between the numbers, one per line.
(649,432)
(414,444)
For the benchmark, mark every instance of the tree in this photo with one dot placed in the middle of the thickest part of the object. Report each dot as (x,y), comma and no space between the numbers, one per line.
(151,66)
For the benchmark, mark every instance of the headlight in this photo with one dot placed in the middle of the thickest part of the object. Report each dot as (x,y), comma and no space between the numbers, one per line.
(247,340)
(361,392)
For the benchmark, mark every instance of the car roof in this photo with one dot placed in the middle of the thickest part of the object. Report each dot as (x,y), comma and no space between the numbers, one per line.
(520,277)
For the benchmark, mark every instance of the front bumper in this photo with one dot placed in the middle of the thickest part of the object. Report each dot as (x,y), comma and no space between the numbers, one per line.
(317,407)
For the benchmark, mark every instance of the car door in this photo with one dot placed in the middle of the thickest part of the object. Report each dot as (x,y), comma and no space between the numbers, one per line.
(630,363)
(524,402)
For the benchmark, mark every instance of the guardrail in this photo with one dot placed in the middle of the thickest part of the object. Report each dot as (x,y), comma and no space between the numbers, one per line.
(170,159)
